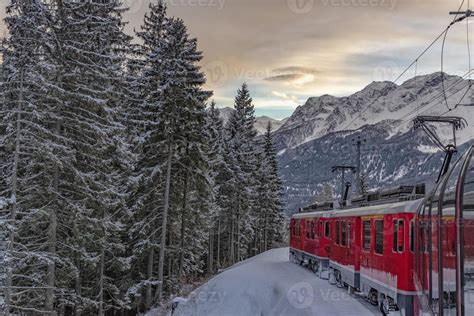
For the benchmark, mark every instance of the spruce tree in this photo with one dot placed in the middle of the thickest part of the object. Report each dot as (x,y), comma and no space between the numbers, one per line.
(29,154)
(273,224)
(243,159)
(172,166)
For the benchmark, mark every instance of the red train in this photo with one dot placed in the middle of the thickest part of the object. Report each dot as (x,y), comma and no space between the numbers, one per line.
(402,250)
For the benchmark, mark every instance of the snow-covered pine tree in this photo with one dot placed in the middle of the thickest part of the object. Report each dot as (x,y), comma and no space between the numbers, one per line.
(220,175)
(89,48)
(29,159)
(146,189)
(172,164)
(243,152)
(273,223)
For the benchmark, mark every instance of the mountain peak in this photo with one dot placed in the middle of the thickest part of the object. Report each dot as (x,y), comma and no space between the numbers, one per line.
(377,102)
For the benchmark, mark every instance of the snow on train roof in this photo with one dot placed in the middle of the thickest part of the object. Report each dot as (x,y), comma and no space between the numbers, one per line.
(382,209)
(311,214)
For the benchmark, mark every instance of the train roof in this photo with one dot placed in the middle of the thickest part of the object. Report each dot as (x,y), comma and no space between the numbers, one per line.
(311,214)
(381,209)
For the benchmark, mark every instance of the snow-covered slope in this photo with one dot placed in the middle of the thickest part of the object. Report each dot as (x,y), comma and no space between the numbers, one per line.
(267,285)
(260,124)
(379,101)
(320,135)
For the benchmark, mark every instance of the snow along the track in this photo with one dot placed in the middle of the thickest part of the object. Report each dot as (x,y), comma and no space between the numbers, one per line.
(269,284)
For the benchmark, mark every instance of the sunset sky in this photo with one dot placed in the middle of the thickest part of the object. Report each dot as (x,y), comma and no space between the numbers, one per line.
(289,50)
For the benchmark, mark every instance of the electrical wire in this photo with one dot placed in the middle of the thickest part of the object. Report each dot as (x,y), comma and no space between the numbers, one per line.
(415,62)
(442,68)
(410,116)
(455,20)
(421,55)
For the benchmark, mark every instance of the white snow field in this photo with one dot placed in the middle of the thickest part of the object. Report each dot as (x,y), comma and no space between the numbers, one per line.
(269,284)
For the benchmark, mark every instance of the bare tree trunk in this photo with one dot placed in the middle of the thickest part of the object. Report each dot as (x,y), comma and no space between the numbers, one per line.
(183,223)
(52,240)
(51,265)
(101,282)
(218,261)
(265,233)
(78,289)
(238,227)
(13,199)
(231,241)
(211,251)
(164,222)
(151,259)
(170,256)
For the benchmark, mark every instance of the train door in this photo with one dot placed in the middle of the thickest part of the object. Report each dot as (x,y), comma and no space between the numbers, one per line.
(366,241)
(465,275)
(448,241)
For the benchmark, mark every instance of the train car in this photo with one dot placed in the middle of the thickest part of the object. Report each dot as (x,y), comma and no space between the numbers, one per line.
(344,256)
(369,249)
(310,239)
(412,255)
(444,245)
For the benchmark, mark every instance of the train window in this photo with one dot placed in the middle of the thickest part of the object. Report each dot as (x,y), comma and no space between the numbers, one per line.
(313,230)
(367,235)
(320,230)
(412,236)
(327,230)
(379,233)
(395,235)
(344,234)
(308,231)
(349,235)
(338,232)
(401,235)
(398,235)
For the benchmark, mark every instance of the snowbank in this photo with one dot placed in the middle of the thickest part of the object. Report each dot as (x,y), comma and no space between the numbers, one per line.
(270,285)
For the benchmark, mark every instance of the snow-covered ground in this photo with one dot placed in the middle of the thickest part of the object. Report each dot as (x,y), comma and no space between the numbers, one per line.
(269,284)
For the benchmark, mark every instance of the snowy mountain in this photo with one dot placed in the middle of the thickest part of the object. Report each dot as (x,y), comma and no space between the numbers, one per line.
(379,101)
(260,124)
(319,135)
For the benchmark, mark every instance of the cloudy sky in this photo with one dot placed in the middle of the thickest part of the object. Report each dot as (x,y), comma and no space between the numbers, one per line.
(289,50)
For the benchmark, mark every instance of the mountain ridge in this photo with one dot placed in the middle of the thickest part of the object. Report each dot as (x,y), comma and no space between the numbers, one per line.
(320,134)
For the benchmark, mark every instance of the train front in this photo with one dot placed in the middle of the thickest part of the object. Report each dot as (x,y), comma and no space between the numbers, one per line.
(444,246)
